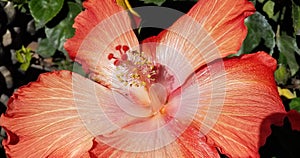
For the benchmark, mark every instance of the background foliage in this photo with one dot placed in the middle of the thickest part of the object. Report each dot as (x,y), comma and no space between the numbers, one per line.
(33,33)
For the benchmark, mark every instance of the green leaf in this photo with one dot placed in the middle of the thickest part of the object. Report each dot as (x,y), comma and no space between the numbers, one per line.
(24,56)
(281,75)
(58,34)
(287,46)
(71,66)
(20,57)
(45,48)
(296,18)
(269,8)
(157,2)
(78,69)
(295,104)
(282,59)
(258,30)
(25,66)
(44,10)
(79,1)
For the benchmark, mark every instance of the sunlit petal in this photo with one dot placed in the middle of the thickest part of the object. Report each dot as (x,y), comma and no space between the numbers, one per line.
(42,120)
(99,29)
(233,122)
(212,29)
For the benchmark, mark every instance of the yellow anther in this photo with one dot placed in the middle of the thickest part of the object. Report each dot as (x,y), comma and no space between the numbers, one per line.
(143,83)
(137,71)
(135,76)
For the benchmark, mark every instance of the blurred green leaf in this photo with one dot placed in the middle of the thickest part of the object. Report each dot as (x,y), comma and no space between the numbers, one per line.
(295,104)
(71,66)
(45,48)
(260,1)
(58,34)
(258,30)
(157,2)
(269,8)
(20,57)
(282,75)
(78,69)
(44,10)
(287,46)
(282,59)
(24,56)
(296,18)
(18,1)
(79,1)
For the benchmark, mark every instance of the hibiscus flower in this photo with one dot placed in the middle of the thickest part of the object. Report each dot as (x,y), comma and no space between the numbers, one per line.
(171,95)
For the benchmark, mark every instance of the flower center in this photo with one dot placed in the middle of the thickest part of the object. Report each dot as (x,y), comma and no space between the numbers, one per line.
(158,95)
(147,78)
(133,67)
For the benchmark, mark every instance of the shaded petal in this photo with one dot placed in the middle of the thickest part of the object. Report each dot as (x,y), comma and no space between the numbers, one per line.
(189,144)
(99,29)
(233,120)
(294,118)
(212,29)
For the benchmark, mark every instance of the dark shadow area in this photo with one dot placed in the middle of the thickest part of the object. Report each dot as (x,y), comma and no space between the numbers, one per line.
(162,17)
(283,142)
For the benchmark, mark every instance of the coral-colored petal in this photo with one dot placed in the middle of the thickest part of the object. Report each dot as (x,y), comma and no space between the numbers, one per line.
(99,29)
(212,29)
(60,114)
(235,103)
(42,120)
(149,46)
(189,144)
(168,133)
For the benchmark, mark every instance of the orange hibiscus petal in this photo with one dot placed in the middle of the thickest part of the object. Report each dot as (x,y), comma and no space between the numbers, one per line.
(99,29)
(42,120)
(238,103)
(212,29)
(166,134)
(189,144)
(61,113)
(58,116)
